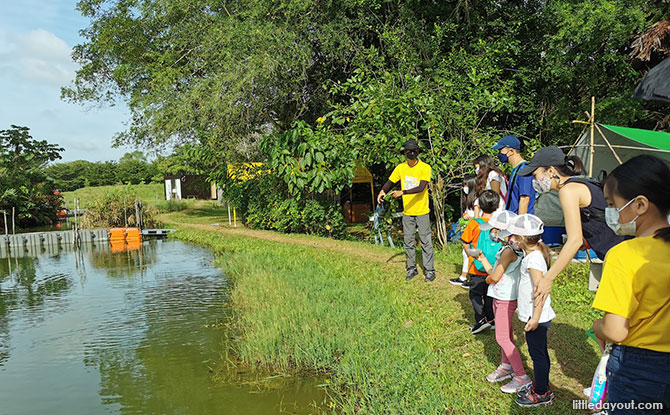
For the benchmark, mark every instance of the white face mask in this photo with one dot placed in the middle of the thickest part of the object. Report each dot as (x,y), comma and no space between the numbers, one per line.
(543,185)
(466,189)
(612,219)
(476,170)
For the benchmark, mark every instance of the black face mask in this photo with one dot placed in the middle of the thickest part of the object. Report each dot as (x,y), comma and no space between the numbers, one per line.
(411,155)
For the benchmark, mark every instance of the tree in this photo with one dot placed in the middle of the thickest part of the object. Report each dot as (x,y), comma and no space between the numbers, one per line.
(23,183)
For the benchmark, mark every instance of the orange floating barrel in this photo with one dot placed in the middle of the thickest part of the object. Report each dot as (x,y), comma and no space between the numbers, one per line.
(133,235)
(118,246)
(117,235)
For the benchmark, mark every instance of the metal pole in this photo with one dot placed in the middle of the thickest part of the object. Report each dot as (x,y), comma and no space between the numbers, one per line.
(234,217)
(13,223)
(230,219)
(593,123)
(4,212)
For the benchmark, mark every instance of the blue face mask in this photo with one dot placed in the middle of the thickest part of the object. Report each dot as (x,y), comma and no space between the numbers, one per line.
(503,158)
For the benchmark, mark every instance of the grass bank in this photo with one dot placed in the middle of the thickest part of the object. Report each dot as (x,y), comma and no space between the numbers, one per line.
(388,346)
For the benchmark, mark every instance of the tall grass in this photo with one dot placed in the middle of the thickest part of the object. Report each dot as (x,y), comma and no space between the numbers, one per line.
(389,347)
(151,193)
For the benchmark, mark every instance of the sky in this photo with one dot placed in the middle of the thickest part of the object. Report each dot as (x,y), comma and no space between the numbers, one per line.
(36,40)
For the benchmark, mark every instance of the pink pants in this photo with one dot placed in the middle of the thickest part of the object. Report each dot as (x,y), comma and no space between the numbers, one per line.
(504,312)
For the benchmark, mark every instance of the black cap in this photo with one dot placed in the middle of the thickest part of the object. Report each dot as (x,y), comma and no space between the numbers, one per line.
(410,145)
(544,157)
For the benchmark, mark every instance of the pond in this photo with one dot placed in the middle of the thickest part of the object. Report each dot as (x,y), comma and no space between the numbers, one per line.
(92,331)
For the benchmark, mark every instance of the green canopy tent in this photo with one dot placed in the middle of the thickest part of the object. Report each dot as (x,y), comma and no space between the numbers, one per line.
(611,145)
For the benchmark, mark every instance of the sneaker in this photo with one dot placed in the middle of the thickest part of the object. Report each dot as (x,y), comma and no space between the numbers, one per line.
(493,325)
(500,374)
(466,285)
(430,276)
(411,273)
(531,399)
(481,326)
(457,281)
(517,384)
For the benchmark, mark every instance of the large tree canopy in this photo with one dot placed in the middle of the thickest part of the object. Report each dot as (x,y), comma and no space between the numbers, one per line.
(225,73)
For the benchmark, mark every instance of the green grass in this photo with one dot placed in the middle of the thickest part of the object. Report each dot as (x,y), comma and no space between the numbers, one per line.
(151,193)
(387,346)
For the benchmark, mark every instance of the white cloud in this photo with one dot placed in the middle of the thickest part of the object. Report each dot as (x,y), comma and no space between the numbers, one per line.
(38,56)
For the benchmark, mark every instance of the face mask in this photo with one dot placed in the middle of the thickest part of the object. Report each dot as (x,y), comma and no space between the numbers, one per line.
(543,185)
(476,170)
(612,219)
(516,245)
(503,158)
(466,189)
(411,155)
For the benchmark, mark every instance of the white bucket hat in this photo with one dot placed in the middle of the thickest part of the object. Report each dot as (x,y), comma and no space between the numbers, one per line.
(500,219)
(524,225)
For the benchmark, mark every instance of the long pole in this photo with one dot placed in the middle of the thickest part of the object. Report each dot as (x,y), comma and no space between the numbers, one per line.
(593,125)
(4,212)
(13,223)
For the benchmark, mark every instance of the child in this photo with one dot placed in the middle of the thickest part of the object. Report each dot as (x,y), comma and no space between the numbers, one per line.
(526,231)
(503,282)
(468,201)
(474,238)
(633,290)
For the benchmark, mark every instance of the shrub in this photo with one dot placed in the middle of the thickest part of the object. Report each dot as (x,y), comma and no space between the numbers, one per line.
(115,208)
(263,202)
(172,205)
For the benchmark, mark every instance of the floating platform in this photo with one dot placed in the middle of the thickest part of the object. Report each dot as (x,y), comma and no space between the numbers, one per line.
(68,237)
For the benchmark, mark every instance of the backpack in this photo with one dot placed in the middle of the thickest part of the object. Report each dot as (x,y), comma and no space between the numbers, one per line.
(487,246)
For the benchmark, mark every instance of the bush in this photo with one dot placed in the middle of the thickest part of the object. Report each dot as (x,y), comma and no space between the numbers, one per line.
(263,202)
(116,208)
(172,205)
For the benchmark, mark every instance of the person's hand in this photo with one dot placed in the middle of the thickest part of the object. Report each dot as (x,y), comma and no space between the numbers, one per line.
(396,194)
(542,290)
(531,325)
(380,197)
(482,258)
(466,216)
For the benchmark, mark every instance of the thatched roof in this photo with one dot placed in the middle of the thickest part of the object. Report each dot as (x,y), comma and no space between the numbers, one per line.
(654,39)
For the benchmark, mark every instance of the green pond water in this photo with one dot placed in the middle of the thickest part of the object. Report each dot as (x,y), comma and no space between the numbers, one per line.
(141,332)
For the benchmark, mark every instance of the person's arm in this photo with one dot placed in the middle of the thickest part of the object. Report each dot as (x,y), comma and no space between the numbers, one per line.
(612,328)
(495,186)
(524,201)
(420,188)
(495,274)
(387,186)
(536,276)
(573,225)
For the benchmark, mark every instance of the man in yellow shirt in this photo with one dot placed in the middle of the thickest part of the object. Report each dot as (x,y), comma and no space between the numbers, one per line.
(414,176)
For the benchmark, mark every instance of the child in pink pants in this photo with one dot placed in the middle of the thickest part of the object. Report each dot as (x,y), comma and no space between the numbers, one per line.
(503,282)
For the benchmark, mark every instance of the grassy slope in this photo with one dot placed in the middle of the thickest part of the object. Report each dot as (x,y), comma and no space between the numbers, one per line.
(311,303)
(151,193)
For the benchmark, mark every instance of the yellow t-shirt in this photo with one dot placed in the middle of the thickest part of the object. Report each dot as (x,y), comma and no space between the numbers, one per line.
(636,285)
(409,178)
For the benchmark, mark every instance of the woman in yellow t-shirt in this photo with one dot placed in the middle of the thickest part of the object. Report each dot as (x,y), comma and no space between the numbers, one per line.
(634,291)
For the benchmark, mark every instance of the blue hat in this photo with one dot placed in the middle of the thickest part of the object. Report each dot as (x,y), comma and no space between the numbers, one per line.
(508,141)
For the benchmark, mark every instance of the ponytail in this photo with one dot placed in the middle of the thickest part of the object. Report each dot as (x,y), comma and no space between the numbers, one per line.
(544,249)
(573,166)
(663,234)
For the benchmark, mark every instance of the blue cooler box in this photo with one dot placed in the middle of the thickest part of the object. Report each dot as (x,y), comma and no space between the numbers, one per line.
(552,235)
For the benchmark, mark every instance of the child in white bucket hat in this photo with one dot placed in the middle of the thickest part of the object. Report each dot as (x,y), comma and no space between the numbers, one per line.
(526,231)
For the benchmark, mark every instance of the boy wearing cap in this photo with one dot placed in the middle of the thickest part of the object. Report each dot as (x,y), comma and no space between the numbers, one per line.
(414,176)
(521,196)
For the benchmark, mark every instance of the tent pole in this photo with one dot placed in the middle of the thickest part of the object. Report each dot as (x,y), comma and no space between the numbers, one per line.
(372,192)
(577,140)
(609,145)
(593,122)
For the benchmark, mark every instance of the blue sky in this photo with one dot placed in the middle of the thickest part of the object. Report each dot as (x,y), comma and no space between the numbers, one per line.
(36,40)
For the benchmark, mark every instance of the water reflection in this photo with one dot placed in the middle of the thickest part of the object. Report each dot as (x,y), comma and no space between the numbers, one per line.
(133,332)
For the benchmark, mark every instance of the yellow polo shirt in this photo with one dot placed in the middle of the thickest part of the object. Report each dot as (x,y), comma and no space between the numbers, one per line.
(636,285)
(409,178)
